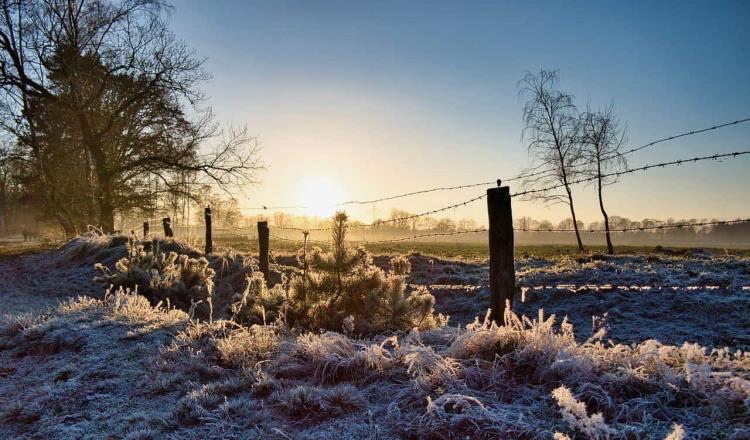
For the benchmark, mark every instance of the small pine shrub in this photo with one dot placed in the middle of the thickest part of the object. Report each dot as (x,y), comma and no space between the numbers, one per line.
(342,287)
(166,278)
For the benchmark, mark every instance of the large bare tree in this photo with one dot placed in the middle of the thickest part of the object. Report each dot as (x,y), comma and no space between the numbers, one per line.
(551,131)
(602,137)
(126,95)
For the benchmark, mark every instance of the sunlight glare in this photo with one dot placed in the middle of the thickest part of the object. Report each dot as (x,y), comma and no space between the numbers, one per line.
(320,195)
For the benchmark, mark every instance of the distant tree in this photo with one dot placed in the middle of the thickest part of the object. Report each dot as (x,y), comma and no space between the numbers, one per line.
(569,224)
(551,130)
(281,219)
(398,220)
(545,225)
(602,137)
(445,225)
(466,224)
(524,223)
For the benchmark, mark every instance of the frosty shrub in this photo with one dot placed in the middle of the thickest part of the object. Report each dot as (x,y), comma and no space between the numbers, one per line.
(342,286)
(574,413)
(257,304)
(167,278)
(247,346)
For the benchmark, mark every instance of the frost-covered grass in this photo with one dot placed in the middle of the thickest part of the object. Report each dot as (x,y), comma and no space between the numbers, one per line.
(118,367)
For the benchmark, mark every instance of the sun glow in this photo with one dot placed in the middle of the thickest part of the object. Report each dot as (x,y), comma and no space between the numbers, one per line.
(320,196)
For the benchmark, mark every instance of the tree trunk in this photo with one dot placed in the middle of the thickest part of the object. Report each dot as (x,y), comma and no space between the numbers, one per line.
(3,210)
(105,193)
(106,213)
(575,221)
(68,229)
(610,248)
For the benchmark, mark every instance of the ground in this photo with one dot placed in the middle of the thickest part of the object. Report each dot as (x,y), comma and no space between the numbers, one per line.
(115,367)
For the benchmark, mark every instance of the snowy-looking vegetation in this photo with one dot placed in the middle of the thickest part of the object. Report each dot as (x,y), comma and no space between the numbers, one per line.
(124,365)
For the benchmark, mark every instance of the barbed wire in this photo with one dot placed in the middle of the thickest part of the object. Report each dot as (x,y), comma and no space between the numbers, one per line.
(554,230)
(390,220)
(629,171)
(262,208)
(276,237)
(522,193)
(424,191)
(552,172)
(689,133)
(432,234)
(511,179)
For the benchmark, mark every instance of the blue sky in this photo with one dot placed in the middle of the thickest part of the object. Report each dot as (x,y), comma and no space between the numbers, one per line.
(360,99)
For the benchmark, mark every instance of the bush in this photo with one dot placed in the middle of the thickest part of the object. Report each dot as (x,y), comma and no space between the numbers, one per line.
(343,288)
(167,278)
(257,304)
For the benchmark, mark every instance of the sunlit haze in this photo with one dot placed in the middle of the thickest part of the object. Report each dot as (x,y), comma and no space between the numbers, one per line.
(356,100)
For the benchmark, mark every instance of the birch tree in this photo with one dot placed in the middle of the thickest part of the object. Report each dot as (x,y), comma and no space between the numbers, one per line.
(551,130)
(602,137)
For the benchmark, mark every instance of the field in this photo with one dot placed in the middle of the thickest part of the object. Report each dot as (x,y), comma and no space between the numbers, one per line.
(645,344)
(470,251)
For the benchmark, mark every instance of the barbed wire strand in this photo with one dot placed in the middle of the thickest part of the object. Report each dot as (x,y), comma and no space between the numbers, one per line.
(632,170)
(511,179)
(555,230)
(390,220)
(523,193)
(526,192)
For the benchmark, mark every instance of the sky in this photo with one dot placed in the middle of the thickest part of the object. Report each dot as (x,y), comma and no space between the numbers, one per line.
(357,100)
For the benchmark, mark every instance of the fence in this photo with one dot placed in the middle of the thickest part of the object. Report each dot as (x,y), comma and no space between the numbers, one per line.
(500,230)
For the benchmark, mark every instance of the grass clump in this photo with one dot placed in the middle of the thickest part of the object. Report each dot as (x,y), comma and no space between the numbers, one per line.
(167,278)
(257,304)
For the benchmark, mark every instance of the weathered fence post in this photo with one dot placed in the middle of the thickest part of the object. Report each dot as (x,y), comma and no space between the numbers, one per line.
(145,229)
(167,224)
(263,246)
(502,271)
(209,238)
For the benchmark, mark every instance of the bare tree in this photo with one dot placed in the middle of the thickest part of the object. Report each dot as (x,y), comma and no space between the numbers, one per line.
(602,137)
(551,130)
(125,94)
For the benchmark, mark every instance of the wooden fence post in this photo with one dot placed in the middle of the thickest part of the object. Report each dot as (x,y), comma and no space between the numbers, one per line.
(502,270)
(145,229)
(167,224)
(263,246)
(209,238)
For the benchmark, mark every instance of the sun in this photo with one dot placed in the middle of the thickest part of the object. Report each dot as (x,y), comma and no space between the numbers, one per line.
(320,195)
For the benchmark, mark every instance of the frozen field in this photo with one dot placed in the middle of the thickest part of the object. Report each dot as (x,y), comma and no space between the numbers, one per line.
(693,297)
(119,368)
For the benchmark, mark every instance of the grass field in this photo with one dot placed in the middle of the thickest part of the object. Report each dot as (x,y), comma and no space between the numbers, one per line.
(13,248)
(464,251)
(451,250)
